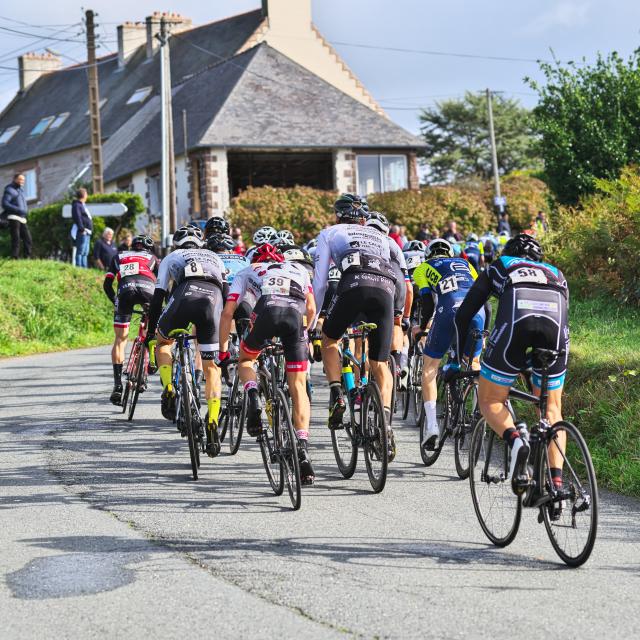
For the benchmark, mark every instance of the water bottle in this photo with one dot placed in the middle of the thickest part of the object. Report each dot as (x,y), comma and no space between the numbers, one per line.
(347,375)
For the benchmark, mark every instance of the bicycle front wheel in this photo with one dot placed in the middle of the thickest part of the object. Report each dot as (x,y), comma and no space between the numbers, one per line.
(288,451)
(415,377)
(443,416)
(468,415)
(343,440)
(394,385)
(405,394)
(137,383)
(268,447)
(375,437)
(189,426)
(498,509)
(571,518)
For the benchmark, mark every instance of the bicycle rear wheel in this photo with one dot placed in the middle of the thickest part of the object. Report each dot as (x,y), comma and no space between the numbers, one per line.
(468,415)
(288,451)
(416,386)
(375,437)
(138,381)
(185,398)
(268,447)
(394,385)
(498,509)
(343,440)
(405,394)
(443,415)
(571,519)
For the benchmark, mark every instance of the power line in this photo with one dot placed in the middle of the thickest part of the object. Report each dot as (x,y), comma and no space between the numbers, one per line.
(38,26)
(24,34)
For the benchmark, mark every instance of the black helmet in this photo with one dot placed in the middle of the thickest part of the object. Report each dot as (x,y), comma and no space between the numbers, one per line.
(142,242)
(350,207)
(216,225)
(523,246)
(188,237)
(220,242)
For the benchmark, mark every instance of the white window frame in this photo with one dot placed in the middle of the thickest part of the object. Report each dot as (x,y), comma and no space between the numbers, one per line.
(139,95)
(380,156)
(59,121)
(47,120)
(30,185)
(8,133)
(103,101)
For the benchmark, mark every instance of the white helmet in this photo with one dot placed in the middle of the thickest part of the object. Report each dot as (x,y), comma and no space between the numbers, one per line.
(188,236)
(378,221)
(439,248)
(284,237)
(264,235)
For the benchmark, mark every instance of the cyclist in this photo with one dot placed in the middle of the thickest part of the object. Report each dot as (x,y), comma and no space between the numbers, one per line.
(284,238)
(262,236)
(135,271)
(474,251)
(282,300)
(198,277)
(532,312)
(366,288)
(443,280)
(414,255)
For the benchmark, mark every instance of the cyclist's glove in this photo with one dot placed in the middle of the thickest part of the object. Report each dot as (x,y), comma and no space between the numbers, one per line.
(450,373)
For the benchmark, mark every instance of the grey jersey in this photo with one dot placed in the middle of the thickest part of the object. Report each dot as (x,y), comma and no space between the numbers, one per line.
(183,264)
(414,259)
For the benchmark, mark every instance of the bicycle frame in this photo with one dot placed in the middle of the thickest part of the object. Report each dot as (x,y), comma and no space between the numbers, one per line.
(183,347)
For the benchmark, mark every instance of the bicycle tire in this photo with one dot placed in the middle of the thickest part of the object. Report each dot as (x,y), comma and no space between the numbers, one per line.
(416,387)
(288,451)
(272,463)
(127,373)
(189,427)
(584,467)
(482,476)
(139,381)
(467,417)
(236,413)
(344,443)
(375,439)
(406,393)
(430,457)
(394,385)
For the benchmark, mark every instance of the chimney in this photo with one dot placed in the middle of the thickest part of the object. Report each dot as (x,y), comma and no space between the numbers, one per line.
(287,16)
(131,35)
(175,24)
(33,65)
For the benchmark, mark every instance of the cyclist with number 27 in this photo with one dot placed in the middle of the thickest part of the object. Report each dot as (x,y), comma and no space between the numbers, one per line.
(135,271)
(282,300)
(198,276)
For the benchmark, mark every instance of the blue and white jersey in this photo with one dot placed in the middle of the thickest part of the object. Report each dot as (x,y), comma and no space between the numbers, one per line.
(233,263)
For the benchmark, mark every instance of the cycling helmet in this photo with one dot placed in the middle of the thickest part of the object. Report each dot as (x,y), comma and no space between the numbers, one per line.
(216,225)
(267,253)
(220,242)
(188,237)
(378,221)
(523,246)
(294,253)
(439,248)
(284,237)
(142,242)
(414,245)
(350,207)
(472,237)
(264,235)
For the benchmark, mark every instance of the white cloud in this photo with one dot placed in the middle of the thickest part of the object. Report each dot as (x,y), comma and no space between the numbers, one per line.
(565,14)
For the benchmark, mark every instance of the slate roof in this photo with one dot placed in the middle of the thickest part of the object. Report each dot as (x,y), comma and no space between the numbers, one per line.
(66,90)
(262,99)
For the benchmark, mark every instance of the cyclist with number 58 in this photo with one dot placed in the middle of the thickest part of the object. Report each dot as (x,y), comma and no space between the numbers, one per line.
(135,271)
(198,277)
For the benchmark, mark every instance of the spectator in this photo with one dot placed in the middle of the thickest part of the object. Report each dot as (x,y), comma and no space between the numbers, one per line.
(104,249)
(14,206)
(451,232)
(394,233)
(83,227)
(125,240)
(541,223)
(423,234)
(503,224)
(236,234)
(403,235)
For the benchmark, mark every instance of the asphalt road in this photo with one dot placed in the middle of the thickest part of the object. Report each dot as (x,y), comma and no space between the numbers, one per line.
(103,534)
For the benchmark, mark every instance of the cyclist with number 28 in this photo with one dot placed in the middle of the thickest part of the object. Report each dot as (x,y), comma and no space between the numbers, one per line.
(533,300)
(198,276)
(135,271)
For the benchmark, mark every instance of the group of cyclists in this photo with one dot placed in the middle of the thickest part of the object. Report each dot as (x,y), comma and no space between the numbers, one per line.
(308,296)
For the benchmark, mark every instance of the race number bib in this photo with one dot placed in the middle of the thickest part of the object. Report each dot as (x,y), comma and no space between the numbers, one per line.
(527,274)
(353,259)
(334,273)
(193,269)
(413,262)
(448,285)
(129,269)
(276,286)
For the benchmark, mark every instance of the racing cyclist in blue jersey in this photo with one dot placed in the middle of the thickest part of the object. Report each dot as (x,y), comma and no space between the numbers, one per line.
(473,251)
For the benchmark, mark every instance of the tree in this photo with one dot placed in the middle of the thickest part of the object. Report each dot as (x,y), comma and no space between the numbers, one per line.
(457,137)
(588,122)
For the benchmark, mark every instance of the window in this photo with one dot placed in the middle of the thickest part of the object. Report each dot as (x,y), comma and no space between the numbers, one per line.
(139,95)
(381,173)
(59,121)
(154,195)
(7,134)
(102,102)
(42,126)
(30,185)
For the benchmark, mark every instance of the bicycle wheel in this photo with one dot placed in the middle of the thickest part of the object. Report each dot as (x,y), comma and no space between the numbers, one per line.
(468,415)
(498,509)
(405,394)
(416,386)
(236,412)
(138,381)
(272,461)
(343,440)
(394,385)
(185,399)
(288,451)
(375,437)
(571,519)
(443,415)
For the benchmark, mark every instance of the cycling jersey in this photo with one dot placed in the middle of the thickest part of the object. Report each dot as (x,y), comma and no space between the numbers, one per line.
(233,263)
(473,252)
(332,288)
(413,259)
(129,264)
(399,266)
(190,264)
(532,313)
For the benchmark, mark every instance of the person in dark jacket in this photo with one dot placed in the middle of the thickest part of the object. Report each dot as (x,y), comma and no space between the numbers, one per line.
(503,224)
(104,250)
(14,206)
(84,227)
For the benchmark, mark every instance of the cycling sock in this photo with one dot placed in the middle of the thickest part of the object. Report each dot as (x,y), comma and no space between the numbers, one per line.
(199,375)
(117,374)
(302,434)
(252,384)
(214,409)
(430,412)
(335,391)
(165,374)
(510,435)
(556,476)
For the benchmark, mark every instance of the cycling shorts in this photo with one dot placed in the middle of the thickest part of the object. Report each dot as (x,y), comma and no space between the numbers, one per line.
(443,331)
(199,303)
(365,296)
(131,291)
(272,319)
(527,318)
(332,289)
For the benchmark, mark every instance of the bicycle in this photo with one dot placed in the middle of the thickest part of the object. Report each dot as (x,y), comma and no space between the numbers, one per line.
(415,376)
(137,366)
(365,425)
(457,414)
(569,511)
(278,441)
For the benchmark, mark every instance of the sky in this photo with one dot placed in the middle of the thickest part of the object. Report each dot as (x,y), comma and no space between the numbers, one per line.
(400,81)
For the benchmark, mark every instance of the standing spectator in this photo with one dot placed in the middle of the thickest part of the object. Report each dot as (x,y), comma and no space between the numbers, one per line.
(503,224)
(14,206)
(451,232)
(84,226)
(403,235)
(125,240)
(541,223)
(423,234)
(394,234)
(104,249)
(236,234)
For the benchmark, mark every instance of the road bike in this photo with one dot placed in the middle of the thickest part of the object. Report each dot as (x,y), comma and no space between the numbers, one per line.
(135,374)
(569,511)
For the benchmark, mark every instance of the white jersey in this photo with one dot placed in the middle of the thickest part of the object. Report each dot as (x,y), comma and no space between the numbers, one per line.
(414,259)
(184,264)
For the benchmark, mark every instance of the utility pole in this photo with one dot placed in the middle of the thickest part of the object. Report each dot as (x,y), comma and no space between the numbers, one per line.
(94,105)
(497,199)
(169,214)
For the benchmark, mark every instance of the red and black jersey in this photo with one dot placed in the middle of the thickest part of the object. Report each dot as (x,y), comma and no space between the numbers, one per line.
(129,264)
